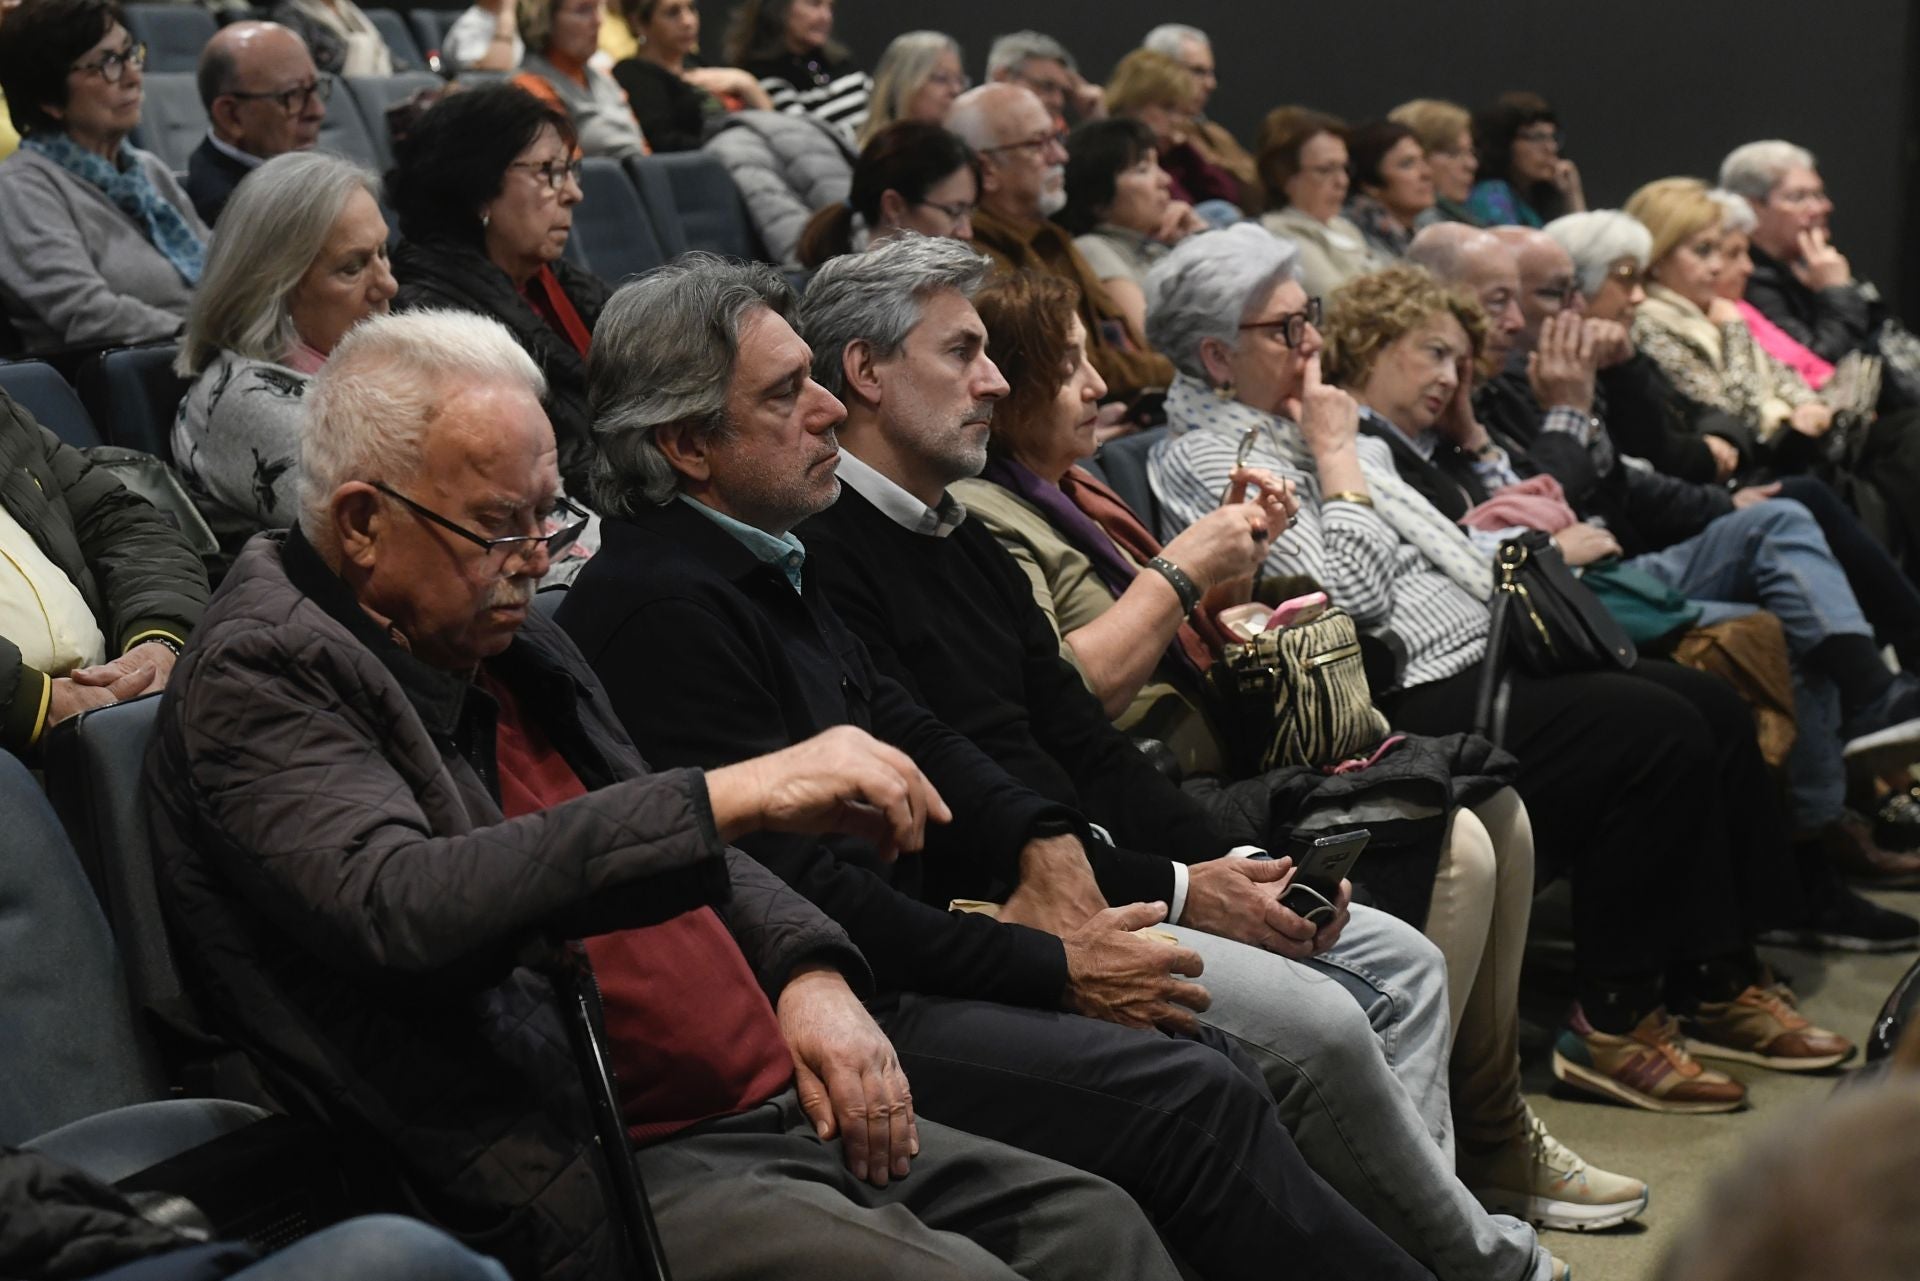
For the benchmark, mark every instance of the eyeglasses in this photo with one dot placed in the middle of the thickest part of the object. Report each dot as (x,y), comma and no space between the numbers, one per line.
(1293,325)
(1802,196)
(292,101)
(959,82)
(1330,169)
(1548,134)
(112,66)
(554,172)
(1040,143)
(957,212)
(515,546)
(1626,274)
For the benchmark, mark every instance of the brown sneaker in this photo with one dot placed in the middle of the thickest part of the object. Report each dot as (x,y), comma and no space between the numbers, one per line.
(1648,1068)
(1760,1026)
(1542,1180)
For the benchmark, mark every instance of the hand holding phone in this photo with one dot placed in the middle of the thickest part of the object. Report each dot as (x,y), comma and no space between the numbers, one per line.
(1320,864)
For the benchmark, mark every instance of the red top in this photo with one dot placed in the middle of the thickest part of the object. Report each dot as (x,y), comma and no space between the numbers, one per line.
(691,1034)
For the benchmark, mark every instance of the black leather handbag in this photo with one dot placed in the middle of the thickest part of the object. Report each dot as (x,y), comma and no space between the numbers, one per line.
(1545,621)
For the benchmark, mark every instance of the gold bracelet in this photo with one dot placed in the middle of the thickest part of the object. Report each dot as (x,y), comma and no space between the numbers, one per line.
(1358,497)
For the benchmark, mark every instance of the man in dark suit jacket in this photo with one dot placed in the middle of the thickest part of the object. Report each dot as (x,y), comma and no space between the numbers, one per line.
(263,97)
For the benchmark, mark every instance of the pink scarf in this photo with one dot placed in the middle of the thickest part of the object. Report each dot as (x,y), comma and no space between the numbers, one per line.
(1783,347)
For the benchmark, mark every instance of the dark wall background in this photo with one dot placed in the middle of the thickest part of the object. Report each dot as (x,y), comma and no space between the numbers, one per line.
(1644,88)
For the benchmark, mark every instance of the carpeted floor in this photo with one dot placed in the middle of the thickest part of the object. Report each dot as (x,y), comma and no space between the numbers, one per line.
(1679,1155)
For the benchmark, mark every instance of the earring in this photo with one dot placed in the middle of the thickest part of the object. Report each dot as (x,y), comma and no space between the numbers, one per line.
(486,218)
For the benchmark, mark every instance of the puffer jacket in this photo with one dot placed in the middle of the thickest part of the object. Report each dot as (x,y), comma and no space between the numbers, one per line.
(136,571)
(351,909)
(443,273)
(786,166)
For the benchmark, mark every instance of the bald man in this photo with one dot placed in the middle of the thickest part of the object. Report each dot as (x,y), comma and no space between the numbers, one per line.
(263,97)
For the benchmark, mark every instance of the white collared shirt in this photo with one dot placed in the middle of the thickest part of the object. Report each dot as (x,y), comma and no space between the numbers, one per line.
(234,153)
(902,508)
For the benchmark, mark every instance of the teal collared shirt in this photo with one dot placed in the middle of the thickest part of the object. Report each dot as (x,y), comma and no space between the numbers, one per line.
(784,552)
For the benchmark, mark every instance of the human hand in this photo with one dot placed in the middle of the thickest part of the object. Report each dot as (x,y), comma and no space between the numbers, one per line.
(1222,546)
(1566,180)
(1278,498)
(1609,340)
(1239,899)
(1129,979)
(1178,222)
(847,1075)
(1329,934)
(1721,311)
(1562,364)
(1329,418)
(66,698)
(1111,423)
(1583,544)
(1057,892)
(1456,423)
(1726,456)
(1821,266)
(843,780)
(1089,100)
(1747,497)
(1812,419)
(144,669)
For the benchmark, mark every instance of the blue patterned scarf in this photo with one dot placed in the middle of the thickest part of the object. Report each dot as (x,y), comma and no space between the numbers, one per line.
(125,182)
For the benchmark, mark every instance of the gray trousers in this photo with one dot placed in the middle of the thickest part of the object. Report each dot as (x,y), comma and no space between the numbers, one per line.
(760,1196)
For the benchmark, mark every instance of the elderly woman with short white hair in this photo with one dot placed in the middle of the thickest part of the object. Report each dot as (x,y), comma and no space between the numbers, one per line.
(301,258)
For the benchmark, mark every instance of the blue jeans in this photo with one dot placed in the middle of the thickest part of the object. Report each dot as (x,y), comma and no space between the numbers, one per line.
(379,1247)
(1772,556)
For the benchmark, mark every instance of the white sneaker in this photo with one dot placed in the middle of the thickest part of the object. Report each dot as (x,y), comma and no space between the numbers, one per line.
(1548,1184)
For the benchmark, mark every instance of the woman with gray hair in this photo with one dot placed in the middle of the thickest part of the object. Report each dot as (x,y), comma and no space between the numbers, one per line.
(919,76)
(300,259)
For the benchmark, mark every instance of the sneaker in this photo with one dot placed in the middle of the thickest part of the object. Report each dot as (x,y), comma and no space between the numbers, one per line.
(1647,1068)
(1560,1270)
(1543,1181)
(1761,1026)
(1850,843)
(1850,923)
(1896,824)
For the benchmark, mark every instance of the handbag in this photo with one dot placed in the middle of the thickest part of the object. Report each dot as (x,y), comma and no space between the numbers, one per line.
(1297,696)
(1646,608)
(1545,621)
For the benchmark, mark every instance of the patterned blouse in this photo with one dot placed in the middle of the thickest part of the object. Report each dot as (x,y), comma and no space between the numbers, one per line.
(1721,366)
(236,443)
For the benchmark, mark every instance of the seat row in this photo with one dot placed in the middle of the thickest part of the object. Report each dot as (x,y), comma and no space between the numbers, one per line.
(175,33)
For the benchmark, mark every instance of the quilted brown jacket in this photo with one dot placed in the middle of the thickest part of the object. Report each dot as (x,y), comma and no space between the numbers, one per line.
(351,909)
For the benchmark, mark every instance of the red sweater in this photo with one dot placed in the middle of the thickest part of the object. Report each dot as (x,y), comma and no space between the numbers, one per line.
(692,1035)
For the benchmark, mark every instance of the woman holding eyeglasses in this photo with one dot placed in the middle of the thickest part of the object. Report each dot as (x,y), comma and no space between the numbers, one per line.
(1524,180)
(98,243)
(1303,161)
(910,177)
(485,187)
(919,76)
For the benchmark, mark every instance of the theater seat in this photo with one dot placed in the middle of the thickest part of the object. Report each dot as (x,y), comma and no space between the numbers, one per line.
(172,119)
(173,33)
(372,95)
(1124,464)
(612,225)
(705,204)
(43,393)
(132,394)
(401,42)
(430,27)
(345,131)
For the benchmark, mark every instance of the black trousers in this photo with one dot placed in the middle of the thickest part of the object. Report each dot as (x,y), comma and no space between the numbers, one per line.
(1648,790)
(1887,596)
(1183,1125)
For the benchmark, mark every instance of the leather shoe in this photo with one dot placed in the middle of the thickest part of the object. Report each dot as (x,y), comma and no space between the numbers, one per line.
(1849,845)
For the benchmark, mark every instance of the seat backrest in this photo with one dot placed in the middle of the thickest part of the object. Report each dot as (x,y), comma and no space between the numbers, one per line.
(172,118)
(401,42)
(656,193)
(612,224)
(173,33)
(345,131)
(42,392)
(133,394)
(706,204)
(372,95)
(1124,463)
(68,1041)
(430,26)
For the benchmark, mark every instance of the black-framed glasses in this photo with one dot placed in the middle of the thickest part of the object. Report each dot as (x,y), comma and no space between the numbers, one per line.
(1293,325)
(1034,144)
(553,172)
(292,101)
(113,65)
(1543,135)
(957,212)
(571,519)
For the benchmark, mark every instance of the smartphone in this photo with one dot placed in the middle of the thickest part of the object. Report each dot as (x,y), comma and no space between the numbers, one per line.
(1319,865)
(1301,609)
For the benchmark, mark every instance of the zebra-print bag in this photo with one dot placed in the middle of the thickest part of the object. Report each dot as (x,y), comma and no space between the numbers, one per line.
(1298,696)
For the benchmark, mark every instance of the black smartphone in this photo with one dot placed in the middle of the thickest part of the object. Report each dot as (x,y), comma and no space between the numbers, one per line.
(1320,863)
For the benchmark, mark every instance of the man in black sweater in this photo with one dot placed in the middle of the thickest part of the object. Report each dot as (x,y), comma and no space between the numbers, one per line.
(712,450)
(944,610)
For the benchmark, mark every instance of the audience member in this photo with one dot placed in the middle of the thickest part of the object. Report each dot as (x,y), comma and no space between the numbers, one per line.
(789,46)
(675,98)
(1190,47)
(98,243)
(1390,166)
(787,166)
(1044,65)
(388,960)
(484,187)
(342,39)
(1022,183)
(263,98)
(1121,209)
(485,37)
(707,581)
(1155,90)
(1445,131)
(92,571)
(942,608)
(1468,877)
(561,38)
(1303,160)
(302,261)
(911,177)
(1737,221)
(1632,778)
(1523,178)
(919,76)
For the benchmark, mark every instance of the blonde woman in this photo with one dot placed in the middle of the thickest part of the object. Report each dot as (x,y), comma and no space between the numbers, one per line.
(1445,131)
(919,76)
(1164,96)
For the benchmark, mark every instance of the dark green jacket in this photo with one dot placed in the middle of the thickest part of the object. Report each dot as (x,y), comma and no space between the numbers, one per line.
(136,571)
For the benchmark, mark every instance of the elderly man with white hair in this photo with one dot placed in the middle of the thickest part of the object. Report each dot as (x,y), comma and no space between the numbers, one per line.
(1192,49)
(389,798)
